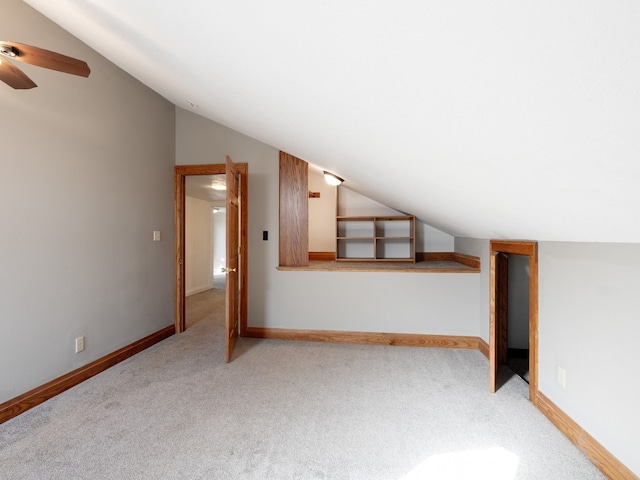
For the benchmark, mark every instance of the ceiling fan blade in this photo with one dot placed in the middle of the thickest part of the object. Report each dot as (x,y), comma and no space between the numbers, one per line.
(13,76)
(45,58)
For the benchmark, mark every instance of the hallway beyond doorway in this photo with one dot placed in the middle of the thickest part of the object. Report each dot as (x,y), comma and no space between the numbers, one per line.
(200,305)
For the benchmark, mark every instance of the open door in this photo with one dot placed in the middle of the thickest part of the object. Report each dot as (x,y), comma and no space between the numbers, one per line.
(499,311)
(233,251)
(498,335)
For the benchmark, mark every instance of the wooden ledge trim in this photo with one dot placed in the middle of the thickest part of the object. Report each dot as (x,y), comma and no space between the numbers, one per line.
(348,267)
(26,401)
(366,338)
(600,456)
(434,257)
(323,256)
(468,260)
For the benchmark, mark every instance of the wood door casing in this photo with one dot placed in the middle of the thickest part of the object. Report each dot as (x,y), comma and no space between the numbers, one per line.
(502,307)
(499,251)
(181,171)
(493,351)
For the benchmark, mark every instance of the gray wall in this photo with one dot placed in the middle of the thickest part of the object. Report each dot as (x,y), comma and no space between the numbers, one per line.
(87,176)
(480,249)
(590,325)
(444,304)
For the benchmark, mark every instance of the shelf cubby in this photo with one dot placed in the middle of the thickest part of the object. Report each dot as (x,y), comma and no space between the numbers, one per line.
(375,238)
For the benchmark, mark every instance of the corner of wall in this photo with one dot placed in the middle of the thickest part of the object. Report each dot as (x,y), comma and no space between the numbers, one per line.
(479,248)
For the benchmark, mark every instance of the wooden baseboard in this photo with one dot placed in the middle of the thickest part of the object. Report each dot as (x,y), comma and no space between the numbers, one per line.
(600,456)
(323,256)
(483,347)
(366,338)
(468,260)
(20,404)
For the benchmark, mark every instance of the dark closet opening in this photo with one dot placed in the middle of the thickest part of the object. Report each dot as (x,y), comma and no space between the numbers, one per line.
(518,315)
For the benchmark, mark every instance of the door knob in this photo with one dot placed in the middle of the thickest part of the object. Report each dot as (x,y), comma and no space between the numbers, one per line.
(228,270)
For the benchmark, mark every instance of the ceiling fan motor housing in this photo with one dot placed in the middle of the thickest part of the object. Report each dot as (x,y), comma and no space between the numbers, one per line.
(9,51)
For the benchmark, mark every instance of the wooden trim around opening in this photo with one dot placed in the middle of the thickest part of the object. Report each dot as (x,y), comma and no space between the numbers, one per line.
(293,211)
(367,338)
(599,456)
(529,249)
(323,256)
(468,260)
(483,347)
(181,171)
(26,401)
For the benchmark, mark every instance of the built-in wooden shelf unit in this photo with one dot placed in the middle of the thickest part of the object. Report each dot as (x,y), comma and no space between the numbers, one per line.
(376,238)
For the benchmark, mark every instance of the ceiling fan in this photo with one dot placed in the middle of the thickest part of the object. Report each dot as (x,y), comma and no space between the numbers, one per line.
(16,78)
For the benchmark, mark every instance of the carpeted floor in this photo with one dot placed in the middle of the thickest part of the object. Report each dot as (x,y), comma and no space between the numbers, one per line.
(289,410)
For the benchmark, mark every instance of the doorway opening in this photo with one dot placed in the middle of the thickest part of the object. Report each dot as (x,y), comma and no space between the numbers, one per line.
(217,278)
(518,315)
(521,260)
(205,247)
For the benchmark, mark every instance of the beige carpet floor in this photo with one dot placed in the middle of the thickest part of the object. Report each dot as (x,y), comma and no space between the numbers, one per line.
(289,410)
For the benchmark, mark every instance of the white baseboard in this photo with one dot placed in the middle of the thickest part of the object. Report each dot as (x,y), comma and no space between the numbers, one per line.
(193,291)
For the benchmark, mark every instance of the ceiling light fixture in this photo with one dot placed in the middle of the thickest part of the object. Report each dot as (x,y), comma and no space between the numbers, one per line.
(332,179)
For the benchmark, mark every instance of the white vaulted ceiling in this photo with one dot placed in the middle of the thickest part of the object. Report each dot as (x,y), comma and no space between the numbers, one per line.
(493,119)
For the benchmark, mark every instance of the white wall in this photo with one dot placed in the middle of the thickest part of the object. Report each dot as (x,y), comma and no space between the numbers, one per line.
(430,239)
(219,240)
(322,214)
(198,243)
(590,325)
(479,248)
(87,169)
(351,203)
(437,303)
(384,302)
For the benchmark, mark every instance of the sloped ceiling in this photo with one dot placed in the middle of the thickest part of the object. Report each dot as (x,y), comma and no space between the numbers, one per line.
(493,119)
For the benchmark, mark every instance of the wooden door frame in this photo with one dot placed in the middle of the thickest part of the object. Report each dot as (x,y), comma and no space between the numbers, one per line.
(181,171)
(529,249)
